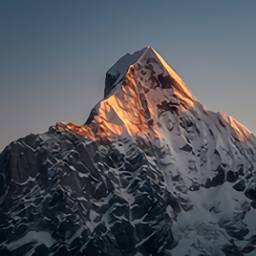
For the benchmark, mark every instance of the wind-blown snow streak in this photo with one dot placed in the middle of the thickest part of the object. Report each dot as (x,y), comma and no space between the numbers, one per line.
(151,172)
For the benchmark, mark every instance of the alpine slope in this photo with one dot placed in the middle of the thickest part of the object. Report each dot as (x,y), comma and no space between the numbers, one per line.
(151,172)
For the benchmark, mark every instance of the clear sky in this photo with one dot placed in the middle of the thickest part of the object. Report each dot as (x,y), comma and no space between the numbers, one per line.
(55,54)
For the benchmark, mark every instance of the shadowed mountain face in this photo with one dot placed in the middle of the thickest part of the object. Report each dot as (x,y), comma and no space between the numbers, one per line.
(151,172)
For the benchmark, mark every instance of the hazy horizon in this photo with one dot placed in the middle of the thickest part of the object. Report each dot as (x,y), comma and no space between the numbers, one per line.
(54,56)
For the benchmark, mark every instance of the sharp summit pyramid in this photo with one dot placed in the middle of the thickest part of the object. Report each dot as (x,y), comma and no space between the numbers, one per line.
(151,172)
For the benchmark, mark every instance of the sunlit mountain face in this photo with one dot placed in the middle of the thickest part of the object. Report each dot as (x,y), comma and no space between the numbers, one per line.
(151,172)
(138,88)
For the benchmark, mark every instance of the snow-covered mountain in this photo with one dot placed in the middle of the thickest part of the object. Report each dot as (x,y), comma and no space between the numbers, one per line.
(151,172)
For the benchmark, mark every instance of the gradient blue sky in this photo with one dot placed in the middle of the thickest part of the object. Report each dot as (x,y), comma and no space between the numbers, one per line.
(55,54)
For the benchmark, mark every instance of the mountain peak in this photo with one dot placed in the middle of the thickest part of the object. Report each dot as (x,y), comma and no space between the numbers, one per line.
(153,64)
(116,73)
(139,88)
